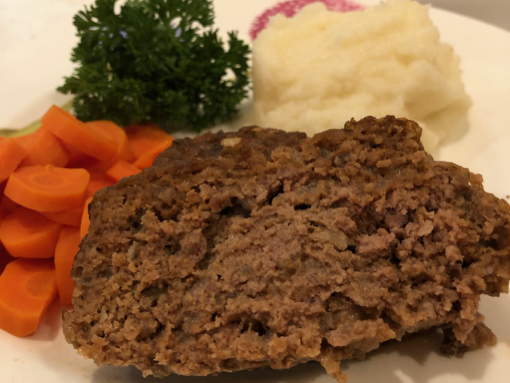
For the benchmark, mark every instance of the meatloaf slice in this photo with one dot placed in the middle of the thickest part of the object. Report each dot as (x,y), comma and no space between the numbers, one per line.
(264,248)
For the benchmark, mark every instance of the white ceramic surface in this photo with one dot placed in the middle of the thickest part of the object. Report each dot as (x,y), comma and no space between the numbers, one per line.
(496,12)
(36,39)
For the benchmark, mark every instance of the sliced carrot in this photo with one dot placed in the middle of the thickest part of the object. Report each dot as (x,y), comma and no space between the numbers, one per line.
(27,234)
(76,157)
(146,160)
(67,247)
(47,188)
(98,180)
(11,155)
(116,134)
(43,148)
(85,220)
(5,258)
(7,206)
(27,287)
(143,138)
(88,139)
(71,217)
(122,169)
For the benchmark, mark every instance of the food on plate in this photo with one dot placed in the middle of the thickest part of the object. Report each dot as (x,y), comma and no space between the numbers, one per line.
(47,188)
(67,246)
(122,169)
(147,142)
(26,233)
(91,139)
(43,148)
(159,61)
(70,217)
(44,205)
(265,248)
(320,67)
(11,155)
(27,287)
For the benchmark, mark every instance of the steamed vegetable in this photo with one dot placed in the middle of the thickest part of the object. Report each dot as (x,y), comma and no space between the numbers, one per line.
(11,155)
(44,207)
(66,248)
(27,287)
(43,148)
(47,188)
(156,61)
(122,169)
(89,139)
(27,234)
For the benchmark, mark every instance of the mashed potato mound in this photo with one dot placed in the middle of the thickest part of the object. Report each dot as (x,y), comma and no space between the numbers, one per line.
(319,69)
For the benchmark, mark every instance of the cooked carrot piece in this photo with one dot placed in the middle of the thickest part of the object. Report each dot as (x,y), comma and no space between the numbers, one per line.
(47,188)
(76,157)
(5,258)
(146,160)
(27,287)
(88,139)
(43,148)
(7,206)
(71,217)
(122,169)
(98,180)
(117,135)
(67,247)
(27,234)
(11,155)
(143,138)
(85,220)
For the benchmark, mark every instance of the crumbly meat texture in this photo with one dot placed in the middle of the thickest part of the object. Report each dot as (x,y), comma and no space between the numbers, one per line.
(264,248)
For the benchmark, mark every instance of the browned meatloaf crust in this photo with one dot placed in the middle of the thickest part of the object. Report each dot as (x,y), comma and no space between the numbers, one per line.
(264,248)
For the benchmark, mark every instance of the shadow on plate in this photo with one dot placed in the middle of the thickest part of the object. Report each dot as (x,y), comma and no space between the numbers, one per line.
(415,359)
(497,312)
(456,135)
(305,373)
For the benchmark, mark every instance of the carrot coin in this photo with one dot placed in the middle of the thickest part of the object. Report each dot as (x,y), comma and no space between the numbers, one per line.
(47,188)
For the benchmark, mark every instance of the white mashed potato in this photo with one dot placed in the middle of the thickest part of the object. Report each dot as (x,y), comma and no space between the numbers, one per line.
(319,69)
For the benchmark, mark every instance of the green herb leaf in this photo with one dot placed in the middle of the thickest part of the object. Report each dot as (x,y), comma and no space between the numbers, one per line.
(156,60)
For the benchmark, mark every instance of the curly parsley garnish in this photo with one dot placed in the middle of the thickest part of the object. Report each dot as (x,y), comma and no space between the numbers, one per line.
(156,60)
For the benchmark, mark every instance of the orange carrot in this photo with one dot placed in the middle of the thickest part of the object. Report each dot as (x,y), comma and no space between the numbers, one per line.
(117,135)
(27,234)
(122,169)
(5,258)
(27,287)
(76,157)
(71,217)
(11,155)
(67,247)
(43,148)
(47,188)
(143,138)
(7,206)
(85,220)
(98,180)
(88,139)
(146,160)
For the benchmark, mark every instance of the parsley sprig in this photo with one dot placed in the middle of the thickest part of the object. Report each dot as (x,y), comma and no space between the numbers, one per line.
(156,60)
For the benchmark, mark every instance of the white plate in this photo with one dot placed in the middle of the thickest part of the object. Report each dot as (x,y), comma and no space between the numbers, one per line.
(34,56)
